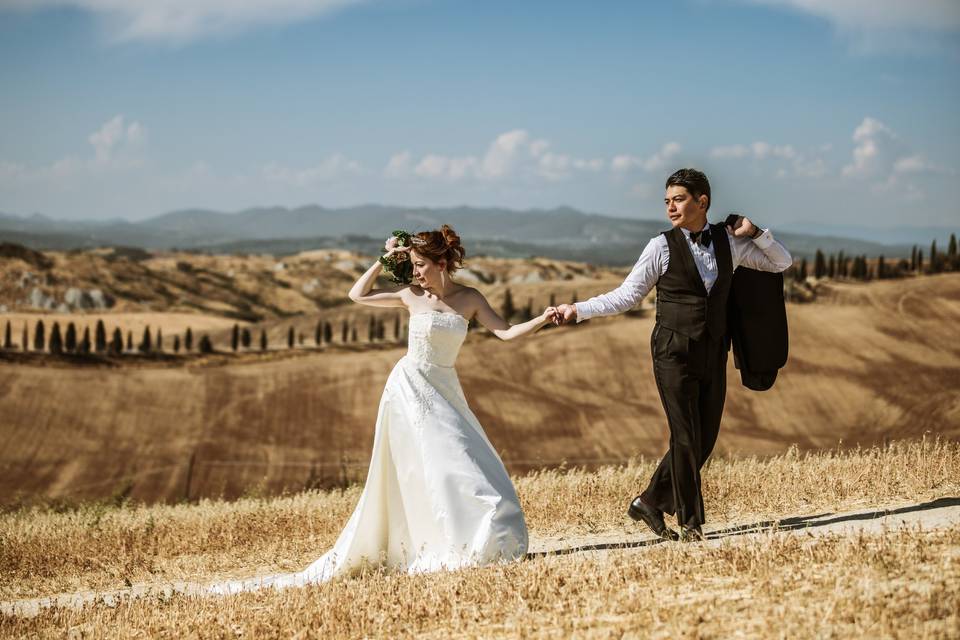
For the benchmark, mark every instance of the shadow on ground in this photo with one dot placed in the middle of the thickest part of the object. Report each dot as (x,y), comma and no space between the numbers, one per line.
(784,524)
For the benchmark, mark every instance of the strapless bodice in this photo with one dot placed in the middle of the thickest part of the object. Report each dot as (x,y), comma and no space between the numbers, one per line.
(435,337)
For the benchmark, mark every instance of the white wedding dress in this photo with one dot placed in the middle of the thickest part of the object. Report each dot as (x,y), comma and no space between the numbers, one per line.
(437,494)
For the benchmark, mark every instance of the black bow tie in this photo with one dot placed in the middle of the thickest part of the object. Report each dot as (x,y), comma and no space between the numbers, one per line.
(701,237)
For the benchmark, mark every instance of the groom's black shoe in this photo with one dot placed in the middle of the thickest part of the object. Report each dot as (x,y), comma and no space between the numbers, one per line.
(652,517)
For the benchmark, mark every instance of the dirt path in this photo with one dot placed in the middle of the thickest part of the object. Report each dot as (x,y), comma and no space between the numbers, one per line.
(936,514)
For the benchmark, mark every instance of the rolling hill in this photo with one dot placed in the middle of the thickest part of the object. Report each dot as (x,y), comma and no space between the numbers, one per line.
(868,362)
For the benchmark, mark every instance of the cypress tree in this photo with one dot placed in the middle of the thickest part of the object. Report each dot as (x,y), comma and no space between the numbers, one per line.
(145,342)
(802,274)
(129,340)
(235,337)
(84,346)
(353,333)
(290,338)
(913,258)
(381,329)
(116,345)
(528,310)
(344,332)
(263,339)
(396,327)
(205,345)
(159,339)
(327,332)
(934,258)
(819,265)
(101,337)
(372,329)
(7,337)
(318,333)
(881,268)
(70,339)
(188,340)
(39,337)
(508,309)
(832,267)
(176,343)
(919,260)
(56,340)
(25,338)
(246,338)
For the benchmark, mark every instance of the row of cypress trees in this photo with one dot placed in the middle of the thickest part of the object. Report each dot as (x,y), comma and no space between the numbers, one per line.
(858,267)
(68,341)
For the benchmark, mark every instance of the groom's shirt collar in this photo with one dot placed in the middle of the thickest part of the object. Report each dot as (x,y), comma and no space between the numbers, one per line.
(686,232)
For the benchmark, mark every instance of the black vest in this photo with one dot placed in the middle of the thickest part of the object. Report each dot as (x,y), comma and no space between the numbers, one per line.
(683,304)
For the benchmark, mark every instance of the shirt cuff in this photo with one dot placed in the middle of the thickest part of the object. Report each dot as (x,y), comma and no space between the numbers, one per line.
(582,312)
(764,240)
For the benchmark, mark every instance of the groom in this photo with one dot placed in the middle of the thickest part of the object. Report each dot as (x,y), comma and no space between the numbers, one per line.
(691,266)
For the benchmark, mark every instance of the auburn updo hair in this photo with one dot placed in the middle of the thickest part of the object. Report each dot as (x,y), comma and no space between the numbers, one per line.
(440,244)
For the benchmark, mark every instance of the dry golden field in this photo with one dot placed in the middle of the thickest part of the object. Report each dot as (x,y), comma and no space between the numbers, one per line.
(869,362)
(750,579)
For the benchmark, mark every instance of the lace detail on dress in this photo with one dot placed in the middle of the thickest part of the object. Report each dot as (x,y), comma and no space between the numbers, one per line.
(435,337)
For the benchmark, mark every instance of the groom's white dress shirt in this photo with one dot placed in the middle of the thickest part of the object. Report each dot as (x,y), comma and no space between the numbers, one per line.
(763,254)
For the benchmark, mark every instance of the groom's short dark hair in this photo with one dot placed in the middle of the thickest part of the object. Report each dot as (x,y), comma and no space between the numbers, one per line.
(693,180)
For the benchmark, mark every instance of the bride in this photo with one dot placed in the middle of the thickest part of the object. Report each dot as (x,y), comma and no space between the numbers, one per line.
(437,495)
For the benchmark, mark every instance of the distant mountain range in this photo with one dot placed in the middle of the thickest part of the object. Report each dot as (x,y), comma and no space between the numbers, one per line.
(562,233)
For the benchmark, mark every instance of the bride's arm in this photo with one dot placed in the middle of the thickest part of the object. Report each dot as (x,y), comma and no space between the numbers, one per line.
(501,328)
(363,292)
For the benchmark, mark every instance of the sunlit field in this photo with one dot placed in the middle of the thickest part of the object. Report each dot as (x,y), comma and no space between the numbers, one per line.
(886,581)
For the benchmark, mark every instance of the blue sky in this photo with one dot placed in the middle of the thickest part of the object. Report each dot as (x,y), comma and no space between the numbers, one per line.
(815,111)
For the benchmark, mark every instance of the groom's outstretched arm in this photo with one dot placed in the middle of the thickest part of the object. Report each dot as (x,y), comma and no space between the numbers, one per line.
(642,278)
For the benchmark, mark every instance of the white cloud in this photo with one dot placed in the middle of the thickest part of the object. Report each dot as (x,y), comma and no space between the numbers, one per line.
(116,138)
(330,168)
(885,161)
(757,150)
(624,162)
(502,154)
(760,151)
(878,25)
(399,165)
(659,160)
(735,151)
(876,151)
(511,155)
(937,15)
(656,162)
(917,163)
(185,20)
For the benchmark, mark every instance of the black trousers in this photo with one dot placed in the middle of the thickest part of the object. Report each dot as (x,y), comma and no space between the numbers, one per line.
(692,379)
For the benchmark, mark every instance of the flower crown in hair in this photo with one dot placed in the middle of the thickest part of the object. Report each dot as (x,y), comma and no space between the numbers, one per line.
(398,266)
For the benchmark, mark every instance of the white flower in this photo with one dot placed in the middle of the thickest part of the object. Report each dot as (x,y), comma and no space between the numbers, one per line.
(391,243)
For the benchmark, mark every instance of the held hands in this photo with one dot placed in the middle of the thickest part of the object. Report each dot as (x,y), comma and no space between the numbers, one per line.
(564,313)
